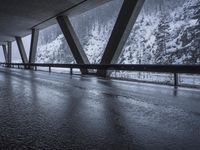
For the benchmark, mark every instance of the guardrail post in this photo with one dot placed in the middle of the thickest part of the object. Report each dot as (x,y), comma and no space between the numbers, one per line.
(71,71)
(49,69)
(175,80)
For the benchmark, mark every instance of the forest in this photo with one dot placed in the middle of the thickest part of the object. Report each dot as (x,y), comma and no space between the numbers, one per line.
(166,32)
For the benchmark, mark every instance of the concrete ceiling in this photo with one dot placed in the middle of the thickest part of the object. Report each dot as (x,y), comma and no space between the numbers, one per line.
(18,17)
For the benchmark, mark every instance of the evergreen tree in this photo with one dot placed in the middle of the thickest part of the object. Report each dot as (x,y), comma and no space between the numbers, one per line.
(162,37)
(196,28)
(194,34)
(196,12)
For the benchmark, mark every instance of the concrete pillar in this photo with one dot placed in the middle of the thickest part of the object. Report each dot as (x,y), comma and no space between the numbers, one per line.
(123,26)
(21,49)
(9,54)
(5,53)
(33,48)
(73,42)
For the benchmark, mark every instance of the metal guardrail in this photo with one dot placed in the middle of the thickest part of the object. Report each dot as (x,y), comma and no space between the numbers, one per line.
(175,69)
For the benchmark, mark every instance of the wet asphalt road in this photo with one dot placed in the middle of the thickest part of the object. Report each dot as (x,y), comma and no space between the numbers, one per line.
(41,110)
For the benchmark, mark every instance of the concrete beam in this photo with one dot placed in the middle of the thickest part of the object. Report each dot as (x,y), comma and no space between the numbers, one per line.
(21,49)
(123,26)
(9,54)
(85,6)
(73,42)
(5,53)
(33,48)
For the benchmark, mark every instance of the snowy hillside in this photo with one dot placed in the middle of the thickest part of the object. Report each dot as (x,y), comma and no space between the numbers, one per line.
(163,34)
(57,51)
(162,38)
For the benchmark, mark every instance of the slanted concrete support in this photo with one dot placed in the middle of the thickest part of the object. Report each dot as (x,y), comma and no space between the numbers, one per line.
(9,54)
(33,48)
(5,53)
(21,49)
(123,26)
(73,41)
